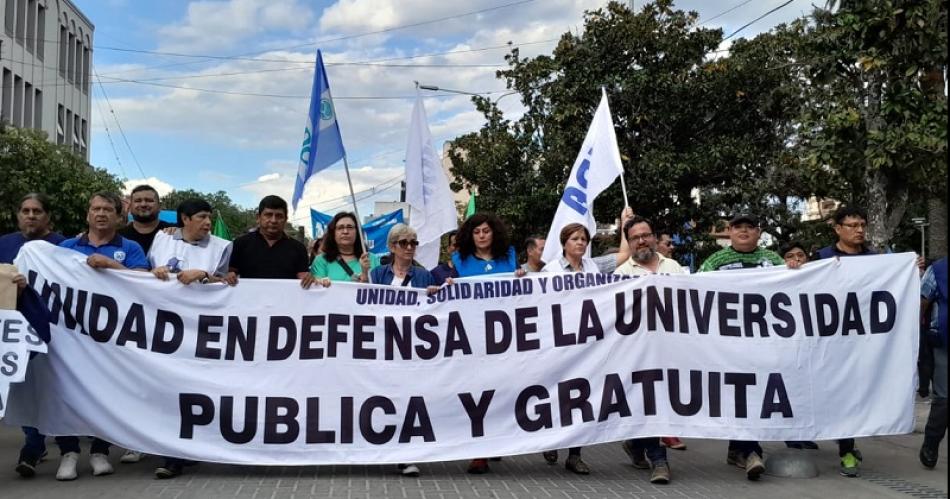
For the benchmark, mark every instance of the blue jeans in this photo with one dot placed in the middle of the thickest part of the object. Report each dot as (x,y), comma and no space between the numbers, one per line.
(655,452)
(34,445)
(71,444)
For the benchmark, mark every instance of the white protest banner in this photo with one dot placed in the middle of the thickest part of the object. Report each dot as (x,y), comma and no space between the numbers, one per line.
(269,373)
(17,340)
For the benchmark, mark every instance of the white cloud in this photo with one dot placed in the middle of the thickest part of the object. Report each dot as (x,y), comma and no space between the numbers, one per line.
(161,186)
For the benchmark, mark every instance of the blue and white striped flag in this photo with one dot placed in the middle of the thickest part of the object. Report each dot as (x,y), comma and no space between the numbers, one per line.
(322,145)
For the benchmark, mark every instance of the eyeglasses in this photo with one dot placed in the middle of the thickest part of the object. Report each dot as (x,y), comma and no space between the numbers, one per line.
(342,228)
(406,243)
(855,225)
(643,237)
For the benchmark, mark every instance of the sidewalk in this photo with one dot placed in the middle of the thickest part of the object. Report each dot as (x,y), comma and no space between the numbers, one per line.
(891,470)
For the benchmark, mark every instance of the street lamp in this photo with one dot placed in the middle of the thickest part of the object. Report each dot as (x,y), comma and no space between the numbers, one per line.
(921,224)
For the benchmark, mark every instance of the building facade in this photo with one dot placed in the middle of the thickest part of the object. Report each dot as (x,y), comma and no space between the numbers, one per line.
(46,61)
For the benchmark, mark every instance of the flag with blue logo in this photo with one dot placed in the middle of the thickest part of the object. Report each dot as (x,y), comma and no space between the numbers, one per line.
(376,230)
(319,221)
(322,145)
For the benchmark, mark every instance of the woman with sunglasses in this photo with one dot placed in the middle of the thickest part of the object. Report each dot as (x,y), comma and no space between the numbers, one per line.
(574,240)
(343,257)
(403,272)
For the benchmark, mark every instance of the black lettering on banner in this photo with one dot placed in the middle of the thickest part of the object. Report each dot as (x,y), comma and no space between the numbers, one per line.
(806,314)
(778,303)
(280,411)
(455,337)
(314,434)
(715,394)
(335,335)
(682,311)
(561,339)
(207,337)
(741,382)
(494,344)
(363,334)
(695,392)
(648,379)
(228,431)
(590,323)
(8,363)
(883,324)
(74,314)
(102,305)
(623,327)
(614,398)
(775,386)
(826,312)
(728,314)
(133,328)
(50,296)
(163,319)
(346,420)
(417,422)
(239,336)
(397,337)
(567,402)
(310,333)
(366,420)
(753,314)
(702,313)
(542,411)
(525,327)
(476,411)
(188,403)
(852,316)
(428,336)
(659,308)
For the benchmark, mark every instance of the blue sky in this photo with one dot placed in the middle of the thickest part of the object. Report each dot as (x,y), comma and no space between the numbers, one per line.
(189,126)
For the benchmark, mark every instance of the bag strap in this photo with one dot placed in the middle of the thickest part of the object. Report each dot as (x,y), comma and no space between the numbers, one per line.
(346,268)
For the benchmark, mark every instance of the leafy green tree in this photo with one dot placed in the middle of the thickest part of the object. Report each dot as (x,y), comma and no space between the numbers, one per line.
(238,219)
(30,163)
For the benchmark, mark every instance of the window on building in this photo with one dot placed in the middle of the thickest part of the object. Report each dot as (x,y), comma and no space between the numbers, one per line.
(40,31)
(63,39)
(9,16)
(38,109)
(27,105)
(78,61)
(31,25)
(60,125)
(86,58)
(17,101)
(77,144)
(70,57)
(6,109)
(20,20)
(69,129)
(83,138)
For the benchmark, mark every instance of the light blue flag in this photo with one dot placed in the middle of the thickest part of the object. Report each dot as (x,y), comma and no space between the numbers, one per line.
(377,231)
(322,145)
(319,222)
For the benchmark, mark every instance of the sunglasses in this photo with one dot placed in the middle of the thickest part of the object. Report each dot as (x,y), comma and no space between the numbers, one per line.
(406,243)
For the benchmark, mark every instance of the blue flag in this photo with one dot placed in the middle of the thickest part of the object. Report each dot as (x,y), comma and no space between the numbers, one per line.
(319,220)
(376,230)
(322,145)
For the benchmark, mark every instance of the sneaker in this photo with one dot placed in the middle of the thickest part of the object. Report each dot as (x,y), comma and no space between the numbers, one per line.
(409,470)
(661,473)
(131,456)
(577,465)
(636,456)
(100,465)
(170,469)
(736,459)
(27,469)
(550,456)
(754,467)
(672,443)
(478,466)
(850,464)
(67,466)
(928,456)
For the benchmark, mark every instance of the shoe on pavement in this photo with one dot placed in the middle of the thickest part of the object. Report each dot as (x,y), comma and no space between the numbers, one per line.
(410,470)
(754,467)
(550,456)
(928,456)
(478,466)
(661,473)
(67,466)
(636,456)
(577,465)
(100,465)
(131,456)
(672,443)
(851,464)
(170,469)
(27,469)
(736,459)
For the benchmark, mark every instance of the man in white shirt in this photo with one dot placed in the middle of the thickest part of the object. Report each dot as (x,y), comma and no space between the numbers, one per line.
(191,253)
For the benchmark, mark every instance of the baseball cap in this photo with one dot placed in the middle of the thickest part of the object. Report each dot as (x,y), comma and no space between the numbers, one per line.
(744,218)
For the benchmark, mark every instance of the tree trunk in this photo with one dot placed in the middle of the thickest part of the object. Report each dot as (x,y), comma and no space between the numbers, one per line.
(937,231)
(876,182)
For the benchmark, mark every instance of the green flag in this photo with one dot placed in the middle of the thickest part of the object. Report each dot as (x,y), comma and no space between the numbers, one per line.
(470,210)
(220,229)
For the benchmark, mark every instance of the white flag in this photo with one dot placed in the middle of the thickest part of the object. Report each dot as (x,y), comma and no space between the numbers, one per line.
(432,209)
(596,167)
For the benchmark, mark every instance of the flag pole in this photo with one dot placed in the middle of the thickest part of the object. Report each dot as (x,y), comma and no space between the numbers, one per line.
(349,181)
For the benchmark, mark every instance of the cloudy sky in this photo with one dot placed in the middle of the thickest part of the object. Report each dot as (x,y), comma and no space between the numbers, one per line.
(212,94)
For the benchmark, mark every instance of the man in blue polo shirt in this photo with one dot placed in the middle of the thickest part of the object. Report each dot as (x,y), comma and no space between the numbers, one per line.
(105,249)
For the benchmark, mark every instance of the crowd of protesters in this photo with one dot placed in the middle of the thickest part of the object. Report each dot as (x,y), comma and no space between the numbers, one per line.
(189,253)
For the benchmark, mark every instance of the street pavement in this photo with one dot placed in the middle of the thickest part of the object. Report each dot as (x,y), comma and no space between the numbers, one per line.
(891,470)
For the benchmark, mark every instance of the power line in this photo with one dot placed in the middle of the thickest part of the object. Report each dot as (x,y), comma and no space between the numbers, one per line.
(717,16)
(119,125)
(757,19)
(111,142)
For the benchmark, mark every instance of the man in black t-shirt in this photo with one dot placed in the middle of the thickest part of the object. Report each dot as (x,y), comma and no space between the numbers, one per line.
(144,208)
(268,253)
